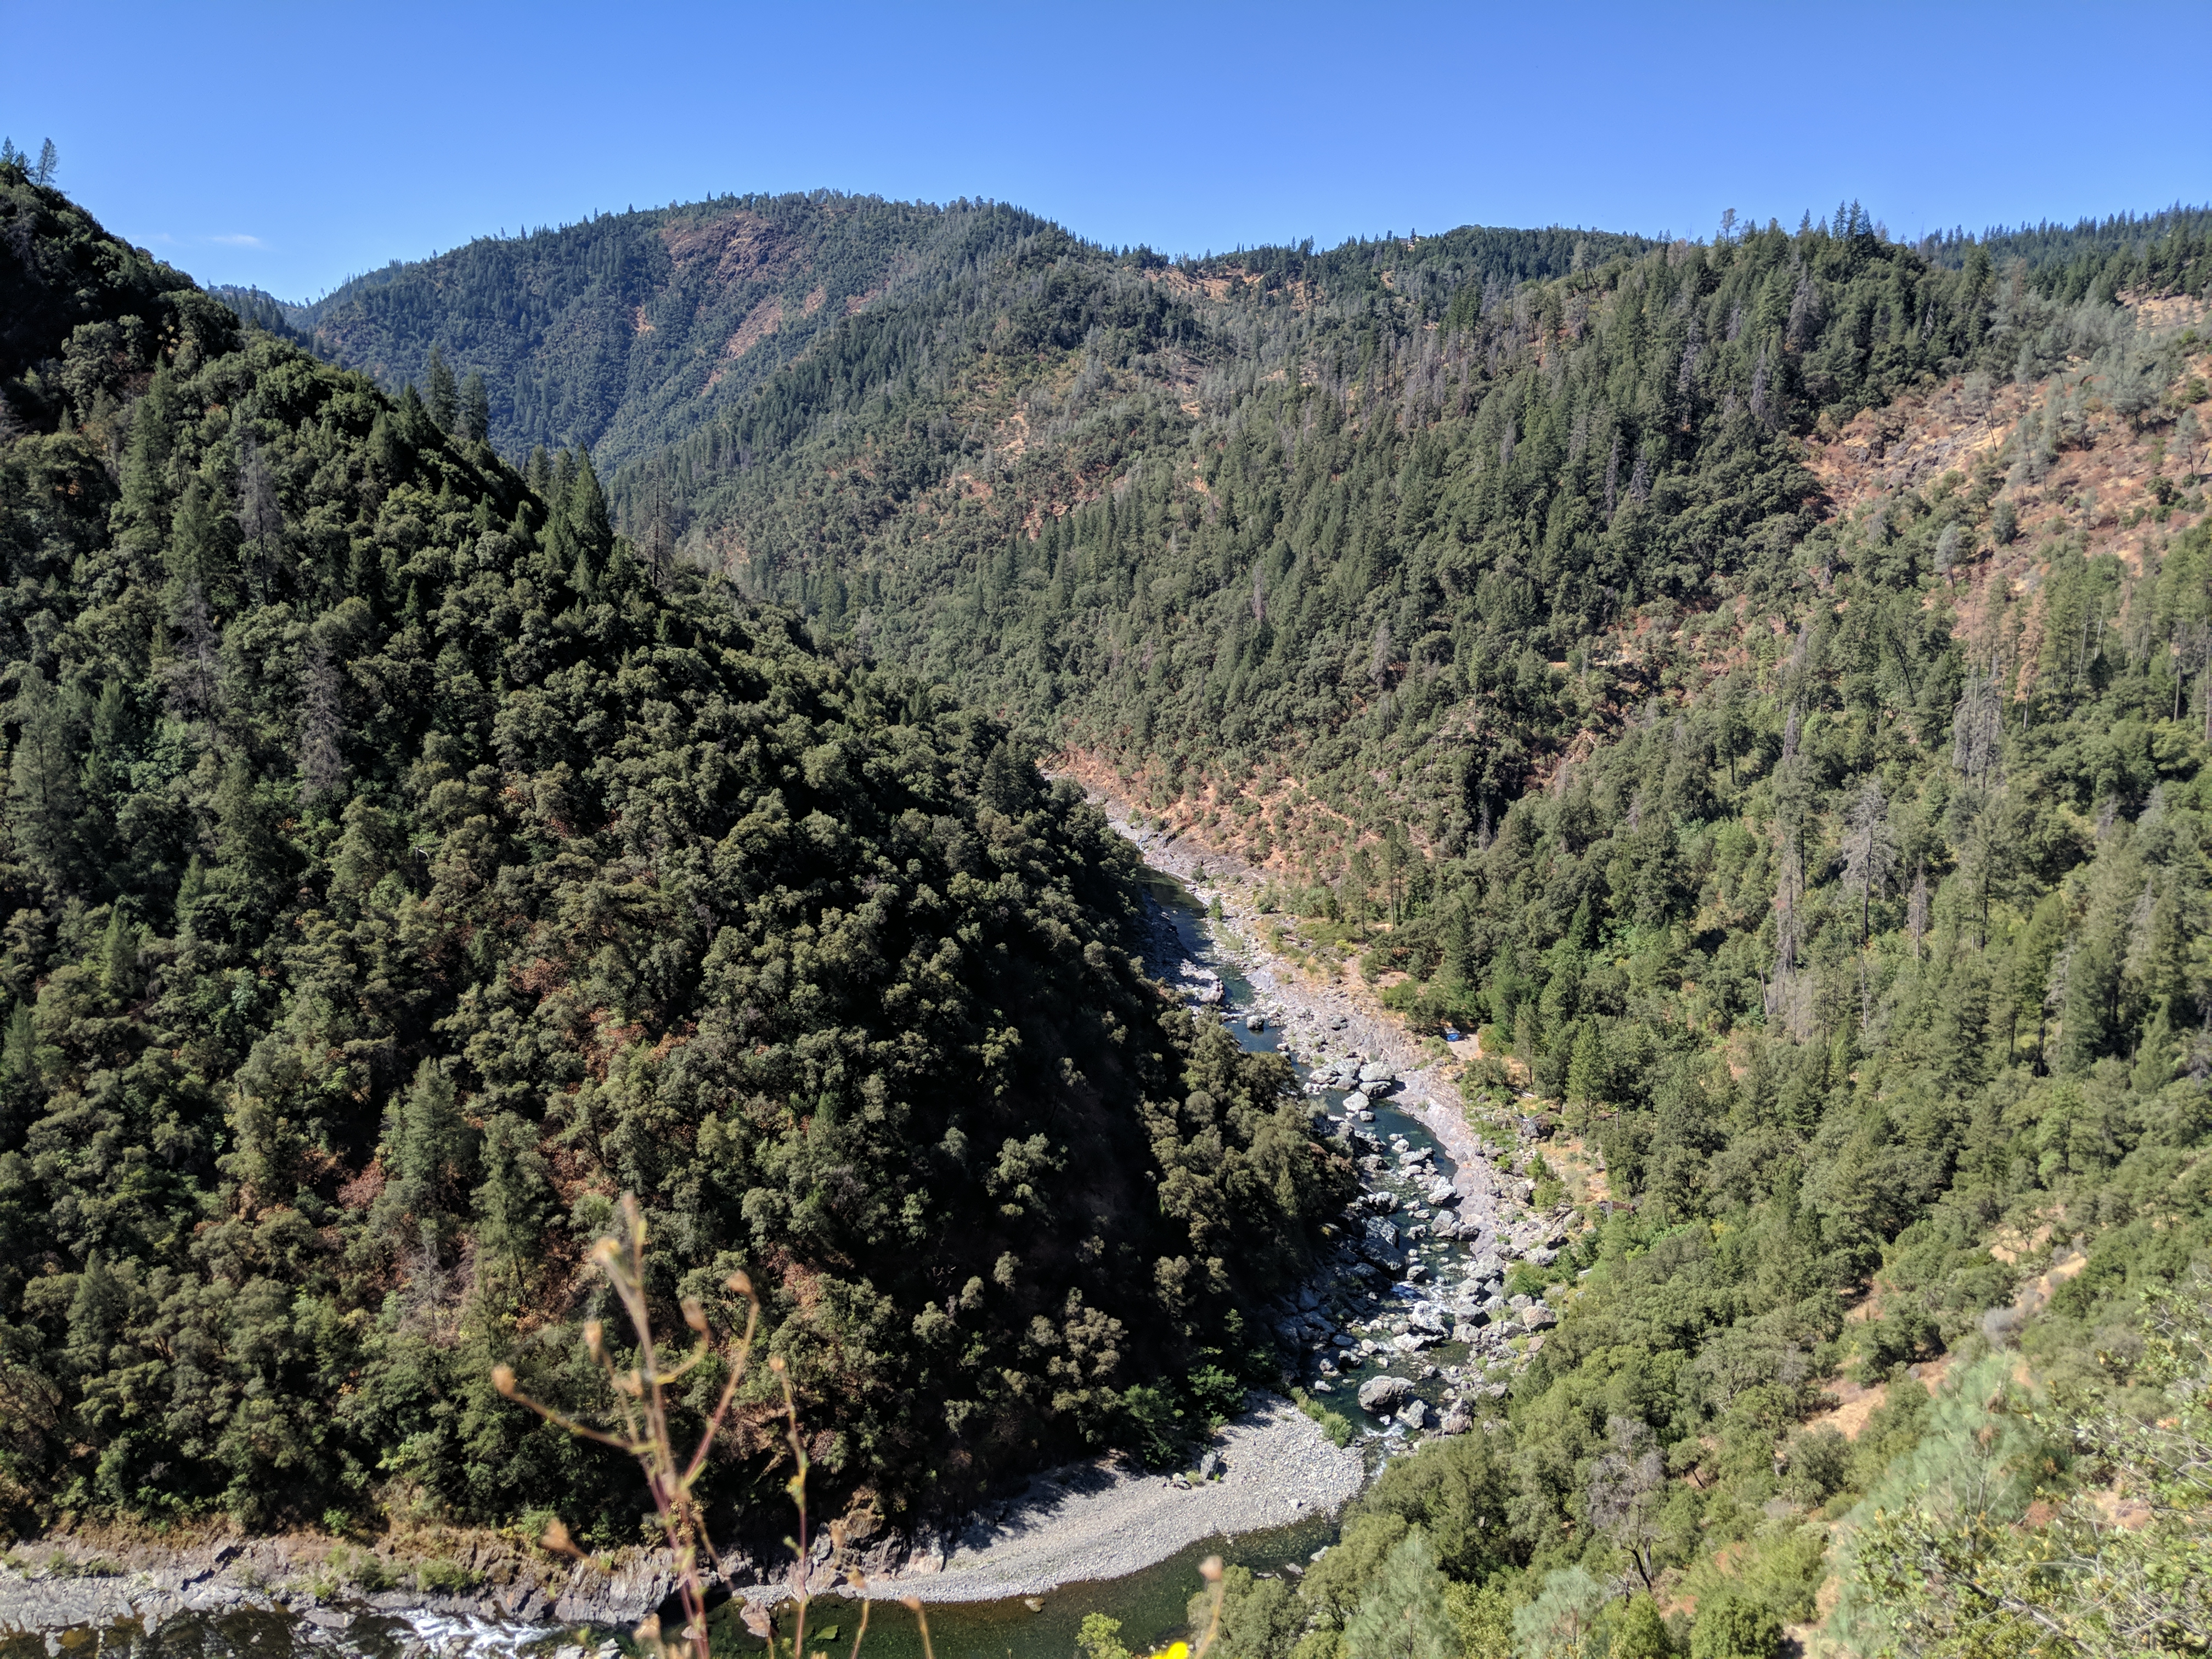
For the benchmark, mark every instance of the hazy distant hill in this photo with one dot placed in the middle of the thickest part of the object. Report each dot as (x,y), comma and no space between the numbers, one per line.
(629,329)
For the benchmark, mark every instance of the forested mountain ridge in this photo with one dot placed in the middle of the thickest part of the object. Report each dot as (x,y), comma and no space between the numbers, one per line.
(1760,688)
(1360,518)
(627,331)
(398,867)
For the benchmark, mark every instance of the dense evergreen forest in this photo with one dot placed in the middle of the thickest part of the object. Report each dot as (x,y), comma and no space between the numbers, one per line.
(1826,846)
(398,867)
(628,331)
(1758,685)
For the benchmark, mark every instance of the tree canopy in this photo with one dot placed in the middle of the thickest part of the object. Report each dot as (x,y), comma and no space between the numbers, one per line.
(399,866)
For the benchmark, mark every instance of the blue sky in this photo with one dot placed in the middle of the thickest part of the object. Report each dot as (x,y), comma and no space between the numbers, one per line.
(288,147)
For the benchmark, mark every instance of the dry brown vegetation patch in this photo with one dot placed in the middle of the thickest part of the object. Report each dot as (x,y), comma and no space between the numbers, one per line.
(740,246)
(2101,486)
(762,320)
(1854,1405)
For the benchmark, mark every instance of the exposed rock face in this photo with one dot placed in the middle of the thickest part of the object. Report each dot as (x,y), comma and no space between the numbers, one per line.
(1381,1395)
(1429,1318)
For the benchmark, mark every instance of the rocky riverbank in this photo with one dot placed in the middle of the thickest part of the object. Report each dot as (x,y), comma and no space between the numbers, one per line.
(1271,1468)
(1410,1314)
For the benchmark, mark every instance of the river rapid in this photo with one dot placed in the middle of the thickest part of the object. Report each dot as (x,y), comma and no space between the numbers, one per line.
(1407,1303)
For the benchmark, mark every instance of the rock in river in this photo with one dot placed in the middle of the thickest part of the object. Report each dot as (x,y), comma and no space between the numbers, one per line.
(1381,1395)
(1384,1394)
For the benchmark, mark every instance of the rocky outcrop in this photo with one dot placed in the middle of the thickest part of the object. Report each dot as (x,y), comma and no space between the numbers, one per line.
(1381,1395)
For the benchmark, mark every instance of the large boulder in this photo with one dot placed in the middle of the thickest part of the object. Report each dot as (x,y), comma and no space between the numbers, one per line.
(1375,1071)
(1379,1231)
(1415,1415)
(1440,1193)
(1457,1420)
(1381,1395)
(1537,1316)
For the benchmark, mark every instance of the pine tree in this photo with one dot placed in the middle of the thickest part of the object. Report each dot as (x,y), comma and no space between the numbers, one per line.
(19,1070)
(260,515)
(146,487)
(1403,1615)
(194,677)
(579,537)
(118,955)
(1002,788)
(476,409)
(514,1200)
(443,401)
(430,1153)
(322,759)
(1869,850)
(42,776)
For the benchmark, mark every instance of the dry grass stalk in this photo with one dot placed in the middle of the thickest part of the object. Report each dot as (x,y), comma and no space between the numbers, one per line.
(642,1395)
(643,1430)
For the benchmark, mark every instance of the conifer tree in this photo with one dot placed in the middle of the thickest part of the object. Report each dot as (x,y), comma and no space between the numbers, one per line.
(474,409)
(442,401)
(1403,1615)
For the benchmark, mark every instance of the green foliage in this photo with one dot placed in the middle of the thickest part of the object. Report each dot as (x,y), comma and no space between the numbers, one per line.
(444,1577)
(1402,1615)
(1336,1425)
(1638,1632)
(1729,1627)
(1566,1619)
(1484,1614)
(1099,1637)
(1852,924)
(397,868)
(1402,574)
(404,855)
(1941,1565)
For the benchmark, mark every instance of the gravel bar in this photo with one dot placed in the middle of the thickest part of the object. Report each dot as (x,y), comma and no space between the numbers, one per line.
(1097,1521)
